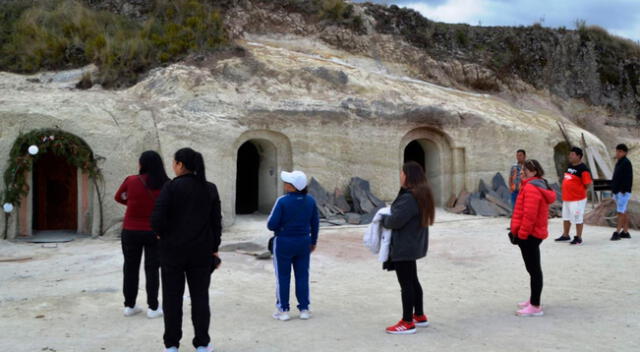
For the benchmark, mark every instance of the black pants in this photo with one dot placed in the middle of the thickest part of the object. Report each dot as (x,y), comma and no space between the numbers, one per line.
(407,273)
(195,265)
(530,249)
(133,244)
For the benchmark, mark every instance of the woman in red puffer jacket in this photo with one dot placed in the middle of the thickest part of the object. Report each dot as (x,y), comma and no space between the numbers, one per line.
(529,227)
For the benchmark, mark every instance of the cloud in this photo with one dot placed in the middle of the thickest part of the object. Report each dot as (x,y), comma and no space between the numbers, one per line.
(620,17)
(453,11)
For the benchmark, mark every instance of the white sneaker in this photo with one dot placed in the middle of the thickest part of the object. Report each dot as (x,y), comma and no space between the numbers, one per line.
(205,349)
(128,311)
(151,314)
(305,314)
(279,315)
(171,349)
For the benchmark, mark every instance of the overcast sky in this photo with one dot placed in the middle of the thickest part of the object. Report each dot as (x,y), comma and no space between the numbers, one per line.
(620,17)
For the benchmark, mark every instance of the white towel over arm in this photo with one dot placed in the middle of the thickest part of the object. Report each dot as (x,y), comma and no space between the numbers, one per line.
(377,238)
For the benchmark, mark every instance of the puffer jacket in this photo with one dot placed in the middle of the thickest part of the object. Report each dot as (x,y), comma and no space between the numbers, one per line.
(531,213)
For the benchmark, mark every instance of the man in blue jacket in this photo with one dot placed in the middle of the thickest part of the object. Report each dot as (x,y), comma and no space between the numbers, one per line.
(295,222)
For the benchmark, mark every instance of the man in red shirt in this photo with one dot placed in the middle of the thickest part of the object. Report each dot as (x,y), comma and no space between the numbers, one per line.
(576,180)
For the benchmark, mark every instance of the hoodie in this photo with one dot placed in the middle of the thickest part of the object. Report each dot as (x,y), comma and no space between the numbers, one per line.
(531,212)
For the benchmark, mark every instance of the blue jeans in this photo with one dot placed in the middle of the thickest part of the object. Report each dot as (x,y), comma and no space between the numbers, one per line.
(514,196)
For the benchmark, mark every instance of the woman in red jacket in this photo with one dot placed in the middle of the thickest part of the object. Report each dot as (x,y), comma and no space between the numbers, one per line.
(139,193)
(529,227)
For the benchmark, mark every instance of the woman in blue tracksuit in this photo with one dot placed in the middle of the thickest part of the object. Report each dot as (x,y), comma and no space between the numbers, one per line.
(294,220)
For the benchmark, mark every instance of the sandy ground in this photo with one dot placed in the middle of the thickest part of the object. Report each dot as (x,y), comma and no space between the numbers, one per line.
(68,298)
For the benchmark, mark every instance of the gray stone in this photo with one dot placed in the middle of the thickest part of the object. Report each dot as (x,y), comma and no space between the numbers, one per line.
(353,218)
(483,188)
(340,201)
(322,197)
(495,198)
(368,218)
(335,221)
(498,182)
(484,207)
(460,204)
(363,200)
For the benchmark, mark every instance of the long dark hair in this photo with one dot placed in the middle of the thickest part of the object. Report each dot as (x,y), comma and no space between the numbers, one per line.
(151,164)
(416,183)
(533,165)
(192,161)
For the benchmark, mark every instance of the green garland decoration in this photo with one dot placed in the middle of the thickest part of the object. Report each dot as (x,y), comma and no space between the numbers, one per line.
(75,150)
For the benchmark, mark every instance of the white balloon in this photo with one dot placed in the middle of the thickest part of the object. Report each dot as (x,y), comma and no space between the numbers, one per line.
(8,207)
(33,150)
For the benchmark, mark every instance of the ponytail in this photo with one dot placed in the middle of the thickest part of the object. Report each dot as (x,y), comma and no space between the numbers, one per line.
(193,162)
(199,170)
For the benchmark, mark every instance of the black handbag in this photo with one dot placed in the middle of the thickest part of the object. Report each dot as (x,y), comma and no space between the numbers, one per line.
(214,264)
(513,238)
(270,244)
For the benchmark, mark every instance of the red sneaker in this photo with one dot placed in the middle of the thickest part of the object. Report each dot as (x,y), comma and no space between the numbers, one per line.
(421,320)
(402,328)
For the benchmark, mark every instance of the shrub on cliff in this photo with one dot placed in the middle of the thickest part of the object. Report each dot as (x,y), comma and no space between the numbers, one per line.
(59,34)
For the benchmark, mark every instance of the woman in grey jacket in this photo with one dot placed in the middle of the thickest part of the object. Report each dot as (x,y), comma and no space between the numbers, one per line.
(411,213)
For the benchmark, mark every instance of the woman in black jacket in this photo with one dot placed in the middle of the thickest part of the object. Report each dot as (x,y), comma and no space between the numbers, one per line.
(411,214)
(188,221)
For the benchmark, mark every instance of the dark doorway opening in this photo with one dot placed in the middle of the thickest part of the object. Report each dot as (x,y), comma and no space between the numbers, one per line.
(415,152)
(247,179)
(426,153)
(55,193)
(561,158)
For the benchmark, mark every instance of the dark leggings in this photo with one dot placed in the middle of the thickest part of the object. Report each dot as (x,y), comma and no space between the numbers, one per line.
(530,249)
(133,244)
(407,273)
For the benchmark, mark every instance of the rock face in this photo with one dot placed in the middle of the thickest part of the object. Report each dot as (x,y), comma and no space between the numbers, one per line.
(302,105)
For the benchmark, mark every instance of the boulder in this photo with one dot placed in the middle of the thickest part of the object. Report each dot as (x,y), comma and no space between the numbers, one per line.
(484,207)
(483,188)
(505,195)
(368,218)
(495,198)
(363,200)
(353,218)
(340,201)
(498,182)
(460,204)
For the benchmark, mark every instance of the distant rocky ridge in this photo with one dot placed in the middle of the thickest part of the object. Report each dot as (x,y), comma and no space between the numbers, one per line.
(586,64)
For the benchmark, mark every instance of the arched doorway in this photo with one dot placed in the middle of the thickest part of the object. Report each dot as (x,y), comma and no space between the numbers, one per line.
(561,158)
(256,177)
(51,187)
(426,153)
(414,152)
(55,194)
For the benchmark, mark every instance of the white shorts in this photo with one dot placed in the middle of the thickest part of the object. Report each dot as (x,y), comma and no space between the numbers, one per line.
(574,211)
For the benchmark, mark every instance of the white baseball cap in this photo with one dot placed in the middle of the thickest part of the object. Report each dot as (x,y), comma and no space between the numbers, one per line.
(297,178)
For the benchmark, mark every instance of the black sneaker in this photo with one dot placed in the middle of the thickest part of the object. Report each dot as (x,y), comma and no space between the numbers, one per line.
(576,240)
(624,235)
(563,238)
(615,236)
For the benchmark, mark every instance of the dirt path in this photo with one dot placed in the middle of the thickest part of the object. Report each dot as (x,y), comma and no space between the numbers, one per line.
(68,298)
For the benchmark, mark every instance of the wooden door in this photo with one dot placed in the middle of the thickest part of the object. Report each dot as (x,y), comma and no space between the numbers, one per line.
(55,194)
